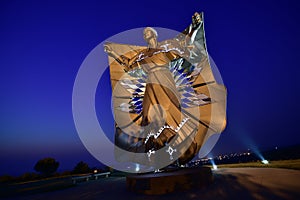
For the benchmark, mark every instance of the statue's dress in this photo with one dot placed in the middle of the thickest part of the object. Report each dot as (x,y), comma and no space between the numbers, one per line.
(161,102)
(162,119)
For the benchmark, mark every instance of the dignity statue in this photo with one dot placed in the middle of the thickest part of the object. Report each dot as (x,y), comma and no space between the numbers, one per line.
(166,100)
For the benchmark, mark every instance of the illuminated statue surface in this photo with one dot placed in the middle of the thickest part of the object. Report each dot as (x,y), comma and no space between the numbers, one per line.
(166,100)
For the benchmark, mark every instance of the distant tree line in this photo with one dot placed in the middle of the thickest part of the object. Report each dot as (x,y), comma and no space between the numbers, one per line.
(47,167)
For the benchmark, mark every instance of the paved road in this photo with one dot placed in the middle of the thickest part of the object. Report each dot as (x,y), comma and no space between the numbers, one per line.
(230,183)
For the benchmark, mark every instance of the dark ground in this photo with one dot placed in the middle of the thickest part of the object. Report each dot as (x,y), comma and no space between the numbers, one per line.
(229,183)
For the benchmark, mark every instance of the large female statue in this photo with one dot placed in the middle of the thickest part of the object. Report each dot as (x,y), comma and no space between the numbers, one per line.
(164,96)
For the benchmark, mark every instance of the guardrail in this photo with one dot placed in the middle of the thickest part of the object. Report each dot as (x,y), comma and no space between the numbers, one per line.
(89,177)
(106,174)
(46,185)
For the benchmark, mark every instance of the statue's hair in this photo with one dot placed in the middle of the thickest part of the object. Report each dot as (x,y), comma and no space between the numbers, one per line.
(151,29)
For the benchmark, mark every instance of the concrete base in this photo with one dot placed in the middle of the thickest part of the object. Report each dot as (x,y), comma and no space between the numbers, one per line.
(167,182)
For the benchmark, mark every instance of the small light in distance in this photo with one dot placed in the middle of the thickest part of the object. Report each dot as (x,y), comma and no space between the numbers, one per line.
(215,167)
(137,167)
(265,162)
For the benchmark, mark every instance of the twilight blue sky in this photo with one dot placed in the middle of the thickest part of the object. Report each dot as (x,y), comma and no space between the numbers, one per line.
(255,45)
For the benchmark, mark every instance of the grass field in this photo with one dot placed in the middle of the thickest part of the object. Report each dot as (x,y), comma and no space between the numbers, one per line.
(286,164)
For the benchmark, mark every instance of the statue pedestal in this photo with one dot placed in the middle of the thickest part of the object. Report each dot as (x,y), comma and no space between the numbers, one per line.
(167,182)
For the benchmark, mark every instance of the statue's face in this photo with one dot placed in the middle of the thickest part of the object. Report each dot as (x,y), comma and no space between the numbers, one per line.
(148,34)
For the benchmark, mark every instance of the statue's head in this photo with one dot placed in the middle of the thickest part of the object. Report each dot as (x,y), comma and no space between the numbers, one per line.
(149,33)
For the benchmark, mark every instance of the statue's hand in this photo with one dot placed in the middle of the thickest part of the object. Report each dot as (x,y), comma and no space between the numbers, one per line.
(108,49)
(196,19)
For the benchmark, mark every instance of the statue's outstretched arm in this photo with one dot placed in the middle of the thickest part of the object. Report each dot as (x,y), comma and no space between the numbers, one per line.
(192,40)
(183,45)
(193,29)
(123,60)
